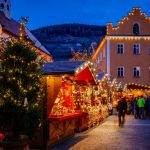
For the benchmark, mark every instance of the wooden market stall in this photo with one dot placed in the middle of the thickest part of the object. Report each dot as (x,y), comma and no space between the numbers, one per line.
(111,89)
(67,85)
(75,100)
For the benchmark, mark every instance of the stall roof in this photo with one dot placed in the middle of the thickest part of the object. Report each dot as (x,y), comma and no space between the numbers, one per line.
(101,75)
(84,75)
(61,67)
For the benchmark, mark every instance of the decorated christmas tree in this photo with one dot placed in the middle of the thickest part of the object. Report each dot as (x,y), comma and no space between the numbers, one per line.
(20,92)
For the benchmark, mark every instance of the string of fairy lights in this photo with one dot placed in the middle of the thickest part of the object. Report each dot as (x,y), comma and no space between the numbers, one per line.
(103,90)
(91,99)
(16,71)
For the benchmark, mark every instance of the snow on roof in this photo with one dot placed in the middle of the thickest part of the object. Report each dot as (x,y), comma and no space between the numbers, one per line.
(61,67)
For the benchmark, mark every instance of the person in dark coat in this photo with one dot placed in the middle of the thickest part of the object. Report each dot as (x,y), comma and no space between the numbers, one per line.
(147,107)
(121,108)
(136,109)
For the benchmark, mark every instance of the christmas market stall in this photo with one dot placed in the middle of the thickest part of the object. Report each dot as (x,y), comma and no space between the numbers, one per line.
(69,98)
(133,90)
(107,89)
(117,91)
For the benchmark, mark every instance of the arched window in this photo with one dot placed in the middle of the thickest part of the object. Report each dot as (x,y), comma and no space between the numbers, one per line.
(136,29)
(8,7)
(2,6)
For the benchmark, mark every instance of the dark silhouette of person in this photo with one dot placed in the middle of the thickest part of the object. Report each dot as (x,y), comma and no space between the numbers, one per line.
(121,108)
(136,109)
(147,107)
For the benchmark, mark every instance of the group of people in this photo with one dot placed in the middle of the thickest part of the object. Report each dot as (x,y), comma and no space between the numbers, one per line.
(139,107)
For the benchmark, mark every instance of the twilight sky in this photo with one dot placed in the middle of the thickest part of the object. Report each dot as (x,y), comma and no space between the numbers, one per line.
(96,12)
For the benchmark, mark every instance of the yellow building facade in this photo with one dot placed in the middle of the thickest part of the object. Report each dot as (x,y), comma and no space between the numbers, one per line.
(124,53)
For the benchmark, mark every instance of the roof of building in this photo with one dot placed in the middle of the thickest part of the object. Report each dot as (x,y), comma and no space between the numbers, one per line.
(101,75)
(61,67)
(12,26)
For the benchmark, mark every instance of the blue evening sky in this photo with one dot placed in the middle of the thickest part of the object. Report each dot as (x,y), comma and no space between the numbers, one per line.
(96,12)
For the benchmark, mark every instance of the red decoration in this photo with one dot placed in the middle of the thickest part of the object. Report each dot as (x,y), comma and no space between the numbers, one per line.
(67,95)
(85,77)
(1,136)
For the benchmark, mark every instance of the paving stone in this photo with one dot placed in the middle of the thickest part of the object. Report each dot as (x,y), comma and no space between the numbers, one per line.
(134,135)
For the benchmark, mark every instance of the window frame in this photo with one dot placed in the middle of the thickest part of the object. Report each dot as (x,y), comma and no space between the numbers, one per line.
(139,50)
(136,75)
(135,29)
(8,8)
(120,51)
(120,73)
(2,6)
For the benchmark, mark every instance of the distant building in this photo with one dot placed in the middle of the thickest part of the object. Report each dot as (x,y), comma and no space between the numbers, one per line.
(124,53)
(10,28)
(5,7)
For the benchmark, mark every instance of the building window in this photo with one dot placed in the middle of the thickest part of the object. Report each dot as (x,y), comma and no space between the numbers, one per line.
(149,49)
(120,48)
(136,29)
(8,7)
(136,72)
(120,71)
(136,49)
(1,6)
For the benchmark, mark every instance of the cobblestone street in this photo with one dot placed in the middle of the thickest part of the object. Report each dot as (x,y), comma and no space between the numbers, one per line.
(135,135)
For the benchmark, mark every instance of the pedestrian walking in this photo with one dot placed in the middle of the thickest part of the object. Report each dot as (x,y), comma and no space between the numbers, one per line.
(136,109)
(132,106)
(121,108)
(141,105)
